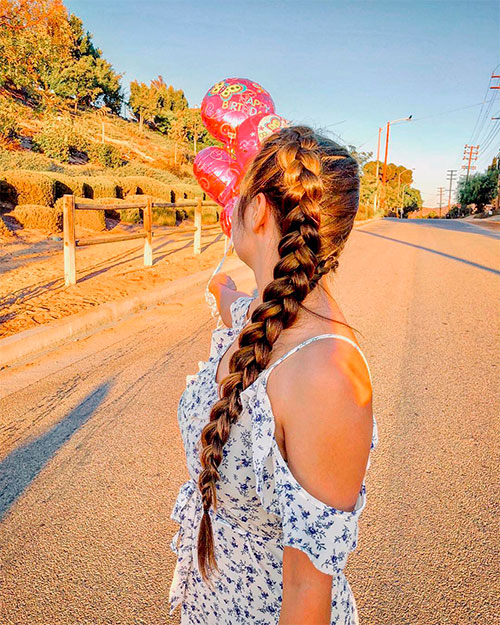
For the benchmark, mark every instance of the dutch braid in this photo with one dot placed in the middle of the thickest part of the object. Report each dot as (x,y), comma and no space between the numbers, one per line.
(289,170)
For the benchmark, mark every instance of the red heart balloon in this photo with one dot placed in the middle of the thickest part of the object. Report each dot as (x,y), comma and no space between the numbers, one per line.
(226,216)
(215,172)
(251,133)
(229,102)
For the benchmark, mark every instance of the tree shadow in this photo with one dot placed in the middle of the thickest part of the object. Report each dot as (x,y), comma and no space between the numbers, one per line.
(21,466)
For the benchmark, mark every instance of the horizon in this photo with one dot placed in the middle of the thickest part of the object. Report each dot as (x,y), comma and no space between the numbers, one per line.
(441,55)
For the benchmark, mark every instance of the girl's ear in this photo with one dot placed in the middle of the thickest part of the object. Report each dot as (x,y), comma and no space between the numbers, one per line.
(260,211)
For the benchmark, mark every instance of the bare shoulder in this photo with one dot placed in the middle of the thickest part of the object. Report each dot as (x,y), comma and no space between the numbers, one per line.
(322,403)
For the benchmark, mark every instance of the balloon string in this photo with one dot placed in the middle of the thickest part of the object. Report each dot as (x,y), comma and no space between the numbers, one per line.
(209,297)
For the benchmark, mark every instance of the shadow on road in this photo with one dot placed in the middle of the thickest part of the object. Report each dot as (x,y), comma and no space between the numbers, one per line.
(428,249)
(450,224)
(20,468)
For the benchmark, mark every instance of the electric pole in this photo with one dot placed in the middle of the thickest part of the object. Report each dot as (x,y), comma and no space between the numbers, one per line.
(377,182)
(473,152)
(441,189)
(451,173)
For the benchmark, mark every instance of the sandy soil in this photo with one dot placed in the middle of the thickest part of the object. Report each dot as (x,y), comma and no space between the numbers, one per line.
(32,290)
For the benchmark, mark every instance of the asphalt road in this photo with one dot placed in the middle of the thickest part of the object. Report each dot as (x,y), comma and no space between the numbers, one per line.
(91,457)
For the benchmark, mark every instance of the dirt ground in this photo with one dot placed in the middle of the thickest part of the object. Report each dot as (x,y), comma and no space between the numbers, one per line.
(32,290)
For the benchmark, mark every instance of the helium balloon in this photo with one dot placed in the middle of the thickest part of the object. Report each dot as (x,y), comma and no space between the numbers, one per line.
(226,216)
(251,133)
(229,103)
(216,172)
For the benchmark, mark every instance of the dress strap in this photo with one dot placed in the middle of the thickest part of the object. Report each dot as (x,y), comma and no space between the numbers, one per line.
(315,338)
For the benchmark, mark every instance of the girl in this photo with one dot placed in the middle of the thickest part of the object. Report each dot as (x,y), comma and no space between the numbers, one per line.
(277,425)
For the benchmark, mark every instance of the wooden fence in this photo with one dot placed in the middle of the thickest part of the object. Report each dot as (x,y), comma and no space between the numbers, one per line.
(71,242)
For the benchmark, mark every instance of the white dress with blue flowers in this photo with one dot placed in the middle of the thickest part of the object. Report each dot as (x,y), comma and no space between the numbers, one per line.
(261,508)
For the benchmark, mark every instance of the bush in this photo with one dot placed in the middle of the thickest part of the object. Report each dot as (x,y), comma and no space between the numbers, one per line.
(209,214)
(104,154)
(96,187)
(186,191)
(91,219)
(143,185)
(24,160)
(164,216)
(4,229)
(46,218)
(58,137)
(27,187)
(65,184)
(8,119)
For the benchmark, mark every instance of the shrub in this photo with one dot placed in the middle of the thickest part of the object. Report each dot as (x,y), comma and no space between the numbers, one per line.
(8,119)
(67,184)
(186,191)
(95,187)
(58,137)
(46,218)
(209,214)
(143,185)
(26,160)
(104,154)
(91,219)
(27,187)
(4,229)
(164,216)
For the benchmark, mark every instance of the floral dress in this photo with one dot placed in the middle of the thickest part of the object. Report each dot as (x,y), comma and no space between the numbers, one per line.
(261,507)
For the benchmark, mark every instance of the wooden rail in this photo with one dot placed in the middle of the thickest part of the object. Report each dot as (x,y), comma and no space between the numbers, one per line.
(71,243)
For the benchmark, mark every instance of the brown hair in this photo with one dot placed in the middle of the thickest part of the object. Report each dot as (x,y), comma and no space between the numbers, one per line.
(312,186)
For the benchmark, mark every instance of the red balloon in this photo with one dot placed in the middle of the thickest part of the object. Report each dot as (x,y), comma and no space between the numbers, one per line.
(226,216)
(216,172)
(229,103)
(251,133)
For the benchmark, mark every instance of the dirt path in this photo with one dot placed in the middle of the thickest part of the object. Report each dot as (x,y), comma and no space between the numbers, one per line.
(32,290)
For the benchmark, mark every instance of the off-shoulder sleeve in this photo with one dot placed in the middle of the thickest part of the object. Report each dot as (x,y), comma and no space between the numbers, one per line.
(326,534)
(238,310)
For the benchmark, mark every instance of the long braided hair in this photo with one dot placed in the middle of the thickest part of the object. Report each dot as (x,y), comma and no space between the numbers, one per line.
(312,186)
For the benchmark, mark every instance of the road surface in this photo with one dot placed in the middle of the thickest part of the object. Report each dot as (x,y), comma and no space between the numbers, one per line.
(91,457)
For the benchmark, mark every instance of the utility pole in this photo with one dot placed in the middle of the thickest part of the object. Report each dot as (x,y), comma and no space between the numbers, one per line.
(440,189)
(473,152)
(384,171)
(451,173)
(377,182)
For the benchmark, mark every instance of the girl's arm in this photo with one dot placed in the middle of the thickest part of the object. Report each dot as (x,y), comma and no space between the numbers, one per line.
(224,290)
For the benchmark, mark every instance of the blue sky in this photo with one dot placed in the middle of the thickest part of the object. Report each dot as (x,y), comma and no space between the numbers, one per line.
(348,66)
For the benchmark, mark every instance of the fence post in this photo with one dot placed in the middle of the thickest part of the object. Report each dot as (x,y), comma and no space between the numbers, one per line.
(197,225)
(69,239)
(148,228)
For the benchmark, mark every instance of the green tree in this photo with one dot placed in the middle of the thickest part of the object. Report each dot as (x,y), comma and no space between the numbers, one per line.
(480,189)
(143,102)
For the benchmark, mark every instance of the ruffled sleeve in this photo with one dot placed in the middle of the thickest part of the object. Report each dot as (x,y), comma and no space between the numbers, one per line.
(238,310)
(326,534)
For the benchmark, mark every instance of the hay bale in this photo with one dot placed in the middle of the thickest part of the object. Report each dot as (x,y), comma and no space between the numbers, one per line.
(45,218)
(22,187)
